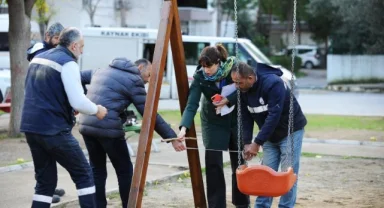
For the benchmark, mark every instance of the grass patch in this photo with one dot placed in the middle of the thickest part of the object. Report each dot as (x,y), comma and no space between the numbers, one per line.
(174,117)
(327,122)
(114,195)
(309,154)
(315,122)
(3,136)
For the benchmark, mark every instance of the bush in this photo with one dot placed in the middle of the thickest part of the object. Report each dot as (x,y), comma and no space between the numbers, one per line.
(285,61)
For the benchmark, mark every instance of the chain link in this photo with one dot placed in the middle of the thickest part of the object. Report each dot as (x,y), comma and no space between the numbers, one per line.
(292,83)
(239,123)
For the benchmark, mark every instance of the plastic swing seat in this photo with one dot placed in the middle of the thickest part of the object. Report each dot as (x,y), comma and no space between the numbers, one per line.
(261,180)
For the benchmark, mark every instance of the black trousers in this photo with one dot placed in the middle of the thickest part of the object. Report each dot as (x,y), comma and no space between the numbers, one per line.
(117,151)
(216,188)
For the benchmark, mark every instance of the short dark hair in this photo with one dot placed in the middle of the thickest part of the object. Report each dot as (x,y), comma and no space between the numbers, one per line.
(143,61)
(244,70)
(55,29)
(68,36)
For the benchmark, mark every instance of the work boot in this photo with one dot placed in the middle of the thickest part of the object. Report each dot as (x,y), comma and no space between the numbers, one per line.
(59,192)
(55,199)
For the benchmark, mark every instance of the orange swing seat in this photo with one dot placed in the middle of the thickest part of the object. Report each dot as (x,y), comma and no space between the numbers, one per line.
(261,180)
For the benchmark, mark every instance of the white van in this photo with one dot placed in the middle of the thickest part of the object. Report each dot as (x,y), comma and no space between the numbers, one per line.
(104,44)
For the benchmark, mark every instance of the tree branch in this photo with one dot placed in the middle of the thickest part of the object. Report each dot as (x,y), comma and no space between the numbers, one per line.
(95,6)
(28,5)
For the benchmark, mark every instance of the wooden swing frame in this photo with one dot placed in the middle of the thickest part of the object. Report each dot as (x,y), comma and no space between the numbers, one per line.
(169,30)
(275,183)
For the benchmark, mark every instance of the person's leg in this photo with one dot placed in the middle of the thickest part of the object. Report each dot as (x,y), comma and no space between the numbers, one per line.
(271,158)
(238,199)
(289,199)
(98,162)
(68,154)
(45,171)
(216,190)
(117,151)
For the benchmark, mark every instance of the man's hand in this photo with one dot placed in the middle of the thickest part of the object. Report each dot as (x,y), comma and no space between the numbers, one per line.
(181,135)
(101,112)
(178,145)
(251,150)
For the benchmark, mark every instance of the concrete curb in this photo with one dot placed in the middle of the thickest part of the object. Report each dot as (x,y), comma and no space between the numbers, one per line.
(11,168)
(369,88)
(22,166)
(345,142)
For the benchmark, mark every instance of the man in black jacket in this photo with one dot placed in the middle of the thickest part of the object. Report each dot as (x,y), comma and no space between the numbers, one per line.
(116,87)
(265,99)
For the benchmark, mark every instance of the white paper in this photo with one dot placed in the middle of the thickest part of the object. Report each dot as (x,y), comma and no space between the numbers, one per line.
(227,90)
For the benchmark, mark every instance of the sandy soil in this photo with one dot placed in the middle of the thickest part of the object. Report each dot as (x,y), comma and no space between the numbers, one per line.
(323,182)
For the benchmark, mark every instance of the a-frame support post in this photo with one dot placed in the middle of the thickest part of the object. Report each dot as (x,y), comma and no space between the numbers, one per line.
(169,30)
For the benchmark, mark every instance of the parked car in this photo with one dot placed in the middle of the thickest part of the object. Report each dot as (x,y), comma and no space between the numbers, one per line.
(310,55)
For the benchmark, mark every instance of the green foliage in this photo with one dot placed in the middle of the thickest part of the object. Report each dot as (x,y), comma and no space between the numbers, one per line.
(286,61)
(352,26)
(44,11)
(323,18)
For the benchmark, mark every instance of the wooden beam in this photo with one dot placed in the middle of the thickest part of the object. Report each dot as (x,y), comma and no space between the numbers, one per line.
(151,104)
(183,89)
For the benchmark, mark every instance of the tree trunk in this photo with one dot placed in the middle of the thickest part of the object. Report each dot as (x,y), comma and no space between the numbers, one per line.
(219,18)
(42,30)
(42,25)
(91,18)
(298,28)
(19,41)
(326,52)
(123,11)
(226,23)
(288,28)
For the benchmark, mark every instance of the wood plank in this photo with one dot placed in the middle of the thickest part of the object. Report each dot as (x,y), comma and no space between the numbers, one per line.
(183,89)
(151,105)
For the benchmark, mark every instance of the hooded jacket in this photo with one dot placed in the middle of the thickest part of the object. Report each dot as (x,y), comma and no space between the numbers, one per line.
(267,103)
(115,88)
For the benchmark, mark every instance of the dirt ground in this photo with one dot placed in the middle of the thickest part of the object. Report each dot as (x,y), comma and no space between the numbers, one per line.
(324,182)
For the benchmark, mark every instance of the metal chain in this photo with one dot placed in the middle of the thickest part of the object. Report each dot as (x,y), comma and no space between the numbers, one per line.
(239,123)
(291,113)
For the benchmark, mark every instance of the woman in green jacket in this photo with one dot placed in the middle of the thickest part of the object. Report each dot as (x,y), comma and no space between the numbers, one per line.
(219,132)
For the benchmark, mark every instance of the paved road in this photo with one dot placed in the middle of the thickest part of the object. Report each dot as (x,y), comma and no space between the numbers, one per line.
(325,102)
(315,79)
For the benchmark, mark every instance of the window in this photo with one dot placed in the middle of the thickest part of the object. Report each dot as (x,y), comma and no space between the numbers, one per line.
(192,52)
(302,51)
(4,43)
(193,3)
(243,55)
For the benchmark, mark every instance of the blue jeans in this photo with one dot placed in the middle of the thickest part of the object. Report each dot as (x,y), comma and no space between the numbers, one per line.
(117,151)
(276,153)
(64,149)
